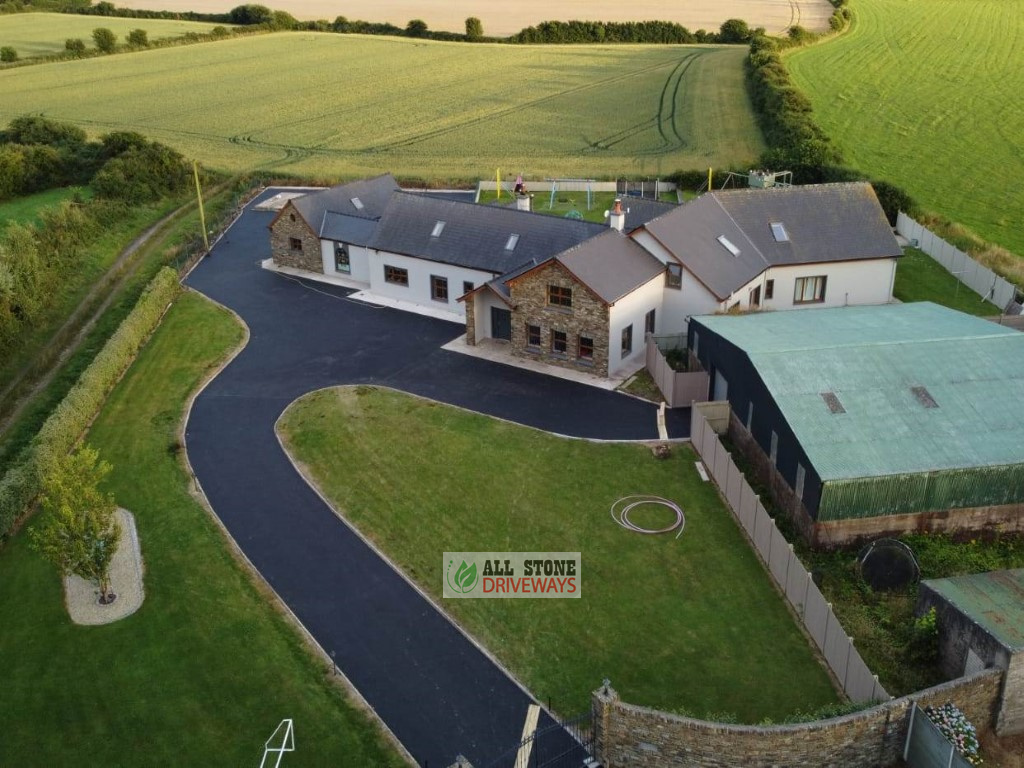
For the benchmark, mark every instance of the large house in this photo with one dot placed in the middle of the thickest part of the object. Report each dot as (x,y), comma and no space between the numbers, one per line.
(582,295)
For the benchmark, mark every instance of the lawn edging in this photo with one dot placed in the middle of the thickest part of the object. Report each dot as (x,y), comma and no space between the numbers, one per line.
(264,586)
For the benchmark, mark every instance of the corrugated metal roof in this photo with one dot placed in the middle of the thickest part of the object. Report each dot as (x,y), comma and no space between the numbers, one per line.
(994,600)
(872,358)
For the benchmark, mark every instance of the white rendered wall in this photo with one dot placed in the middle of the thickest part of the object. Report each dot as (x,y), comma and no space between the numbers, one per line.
(420,272)
(358,258)
(482,319)
(633,308)
(849,283)
(678,303)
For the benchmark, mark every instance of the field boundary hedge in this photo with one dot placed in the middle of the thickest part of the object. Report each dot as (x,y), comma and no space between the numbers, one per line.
(69,421)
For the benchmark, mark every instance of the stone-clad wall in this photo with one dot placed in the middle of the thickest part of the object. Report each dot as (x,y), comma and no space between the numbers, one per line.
(587,317)
(289,224)
(627,735)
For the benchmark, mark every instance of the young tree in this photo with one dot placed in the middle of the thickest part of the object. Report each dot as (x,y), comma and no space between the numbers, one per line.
(75,45)
(416,28)
(105,40)
(8,54)
(138,38)
(474,28)
(78,533)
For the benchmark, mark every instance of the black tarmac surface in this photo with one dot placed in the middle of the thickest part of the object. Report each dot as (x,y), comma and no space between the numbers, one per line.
(434,688)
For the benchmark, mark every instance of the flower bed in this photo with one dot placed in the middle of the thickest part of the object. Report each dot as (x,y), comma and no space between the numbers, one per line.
(955,726)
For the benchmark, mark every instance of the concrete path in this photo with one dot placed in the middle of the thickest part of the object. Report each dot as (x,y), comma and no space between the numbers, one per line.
(433,687)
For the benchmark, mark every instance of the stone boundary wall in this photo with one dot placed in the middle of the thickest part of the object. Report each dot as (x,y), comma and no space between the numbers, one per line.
(638,737)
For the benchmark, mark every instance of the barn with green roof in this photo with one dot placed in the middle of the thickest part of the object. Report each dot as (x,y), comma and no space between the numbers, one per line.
(875,419)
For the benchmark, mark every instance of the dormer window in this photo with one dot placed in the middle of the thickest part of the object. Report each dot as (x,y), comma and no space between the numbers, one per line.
(510,244)
(357,203)
(438,229)
(779,232)
(725,243)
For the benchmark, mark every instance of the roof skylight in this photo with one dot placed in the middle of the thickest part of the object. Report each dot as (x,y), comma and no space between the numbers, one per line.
(357,203)
(728,245)
(779,232)
(512,240)
(438,229)
(924,397)
(832,401)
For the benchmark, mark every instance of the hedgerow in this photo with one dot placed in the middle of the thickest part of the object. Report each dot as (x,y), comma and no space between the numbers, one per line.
(20,485)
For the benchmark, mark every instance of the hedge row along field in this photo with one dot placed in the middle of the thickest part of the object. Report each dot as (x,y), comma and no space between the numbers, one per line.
(40,34)
(332,105)
(927,95)
(71,418)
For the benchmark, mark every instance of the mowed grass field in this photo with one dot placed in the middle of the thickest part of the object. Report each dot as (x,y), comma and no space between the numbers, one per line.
(691,623)
(331,105)
(39,34)
(928,95)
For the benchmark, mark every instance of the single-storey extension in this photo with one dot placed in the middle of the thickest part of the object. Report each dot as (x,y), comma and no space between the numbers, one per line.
(875,420)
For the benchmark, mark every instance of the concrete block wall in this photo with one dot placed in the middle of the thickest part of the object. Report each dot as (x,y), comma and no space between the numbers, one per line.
(638,737)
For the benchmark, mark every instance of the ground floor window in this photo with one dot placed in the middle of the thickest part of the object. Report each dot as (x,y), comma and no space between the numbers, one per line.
(586,348)
(439,288)
(809,290)
(396,275)
(341,259)
(295,243)
(627,341)
(649,322)
(533,336)
(559,342)
(769,289)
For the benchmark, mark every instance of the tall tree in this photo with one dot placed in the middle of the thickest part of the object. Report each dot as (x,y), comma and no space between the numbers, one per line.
(474,28)
(78,533)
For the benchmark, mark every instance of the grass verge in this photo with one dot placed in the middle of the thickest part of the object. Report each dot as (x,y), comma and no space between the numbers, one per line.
(920,278)
(27,209)
(205,668)
(690,623)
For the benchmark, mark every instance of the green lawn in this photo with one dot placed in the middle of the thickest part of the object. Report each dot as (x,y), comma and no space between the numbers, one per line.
(565,203)
(39,34)
(926,95)
(26,209)
(206,669)
(690,624)
(418,108)
(920,278)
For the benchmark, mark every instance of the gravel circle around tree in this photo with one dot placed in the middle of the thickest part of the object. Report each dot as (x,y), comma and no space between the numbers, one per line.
(82,597)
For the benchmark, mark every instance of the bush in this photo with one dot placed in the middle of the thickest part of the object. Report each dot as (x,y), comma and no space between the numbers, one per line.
(138,38)
(416,28)
(251,14)
(8,54)
(734,31)
(71,418)
(894,199)
(141,174)
(220,31)
(74,46)
(106,41)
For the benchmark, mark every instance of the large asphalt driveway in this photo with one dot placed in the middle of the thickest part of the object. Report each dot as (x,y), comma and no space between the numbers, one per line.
(436,691)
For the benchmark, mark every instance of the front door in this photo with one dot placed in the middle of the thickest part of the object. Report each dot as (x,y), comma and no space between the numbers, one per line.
(501,324)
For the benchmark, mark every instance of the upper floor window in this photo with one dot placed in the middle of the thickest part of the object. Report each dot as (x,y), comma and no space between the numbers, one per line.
(559,296)
(674,276)
(809,290)
(295,243)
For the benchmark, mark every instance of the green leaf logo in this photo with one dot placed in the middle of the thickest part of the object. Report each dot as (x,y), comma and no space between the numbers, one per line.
(465,577)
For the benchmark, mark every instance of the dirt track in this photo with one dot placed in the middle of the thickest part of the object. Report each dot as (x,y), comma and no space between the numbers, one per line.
(502,19)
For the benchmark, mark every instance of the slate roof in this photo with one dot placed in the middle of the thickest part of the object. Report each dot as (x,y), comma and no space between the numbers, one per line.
(824,222)
(875,360)
(611,265)
(474,236)
(640,210)
(333,216)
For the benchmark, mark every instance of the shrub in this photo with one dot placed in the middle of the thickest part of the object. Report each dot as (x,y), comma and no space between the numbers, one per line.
(220,31)
(138,38)
(106,41)
(894,199)
(71,418)
(141,174)
(8,54)
(416,28)
(734,31)
(75,46)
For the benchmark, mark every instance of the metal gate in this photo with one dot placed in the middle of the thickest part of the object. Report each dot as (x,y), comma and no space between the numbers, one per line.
(926,747)
(565,744)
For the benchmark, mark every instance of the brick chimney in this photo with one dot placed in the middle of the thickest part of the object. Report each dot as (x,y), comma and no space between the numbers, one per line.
(617,216)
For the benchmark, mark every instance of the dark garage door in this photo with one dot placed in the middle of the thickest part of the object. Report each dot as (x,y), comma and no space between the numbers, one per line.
(501,324)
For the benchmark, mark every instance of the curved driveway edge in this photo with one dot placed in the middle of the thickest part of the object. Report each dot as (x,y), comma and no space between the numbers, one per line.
(435,690)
